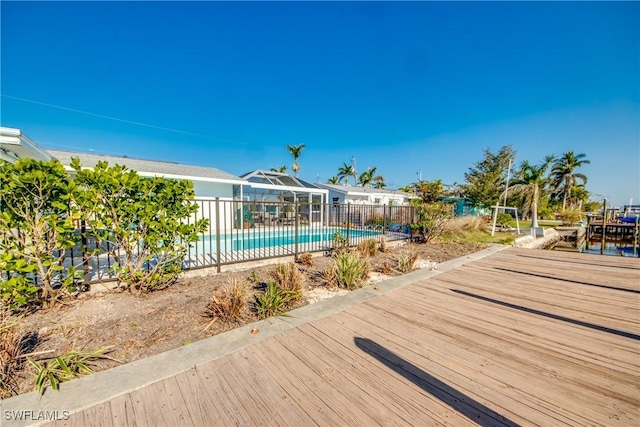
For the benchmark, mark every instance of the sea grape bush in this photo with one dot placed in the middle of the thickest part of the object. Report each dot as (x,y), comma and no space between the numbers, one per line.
(142,222)
(37,216)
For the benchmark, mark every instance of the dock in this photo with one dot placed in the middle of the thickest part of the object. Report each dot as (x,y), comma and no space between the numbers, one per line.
(501,338)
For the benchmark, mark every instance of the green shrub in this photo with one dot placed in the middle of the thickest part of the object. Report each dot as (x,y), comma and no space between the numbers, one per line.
(571,216)
(228,302)
(505,220)
(274,301)
(352,271)
(36,228)
(340,243)
(433,218)
(143,220)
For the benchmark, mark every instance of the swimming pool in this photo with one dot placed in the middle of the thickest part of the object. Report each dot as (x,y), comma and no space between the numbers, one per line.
(314,239)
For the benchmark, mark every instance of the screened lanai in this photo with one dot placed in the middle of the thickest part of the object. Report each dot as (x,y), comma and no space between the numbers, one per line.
(273,195)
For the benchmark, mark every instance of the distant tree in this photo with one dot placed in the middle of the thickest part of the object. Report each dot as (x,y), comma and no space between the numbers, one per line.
(564,177)
(333,180)
(485,181)
(429,191)
(281,169)
(530,181)
(367,177)
(407,188)
(453,190)
(295,151)
(345,171)
(379,182)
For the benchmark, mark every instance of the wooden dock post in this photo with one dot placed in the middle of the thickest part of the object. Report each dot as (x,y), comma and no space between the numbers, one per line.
(604,227)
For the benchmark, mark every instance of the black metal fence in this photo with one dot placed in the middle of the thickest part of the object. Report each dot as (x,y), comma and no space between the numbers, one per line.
(241,231)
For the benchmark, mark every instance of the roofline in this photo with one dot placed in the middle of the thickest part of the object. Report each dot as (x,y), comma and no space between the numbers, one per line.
(15,136)
(347,190)
(286,188)
(182,177)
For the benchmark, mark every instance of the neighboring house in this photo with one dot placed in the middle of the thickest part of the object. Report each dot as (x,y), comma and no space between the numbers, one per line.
(464,207)
(15,145)
(345,194)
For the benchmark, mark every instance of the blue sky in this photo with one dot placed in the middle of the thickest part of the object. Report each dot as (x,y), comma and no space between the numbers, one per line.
(407,87)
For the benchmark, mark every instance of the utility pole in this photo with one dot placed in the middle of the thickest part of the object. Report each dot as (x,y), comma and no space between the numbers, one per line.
(506,190)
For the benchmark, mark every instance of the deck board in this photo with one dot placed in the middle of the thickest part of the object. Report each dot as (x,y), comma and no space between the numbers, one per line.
(521,337)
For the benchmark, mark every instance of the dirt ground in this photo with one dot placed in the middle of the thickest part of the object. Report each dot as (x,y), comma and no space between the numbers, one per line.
(140,326)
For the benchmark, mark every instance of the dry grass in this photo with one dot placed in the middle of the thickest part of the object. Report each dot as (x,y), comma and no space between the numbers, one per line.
(289,278)
(407,258)
(383,244)
(462,224)
(368,247)
(11,350)
(306,259)
(228,302)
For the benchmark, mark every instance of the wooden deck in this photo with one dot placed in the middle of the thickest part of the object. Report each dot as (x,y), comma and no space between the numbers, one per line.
(521,337)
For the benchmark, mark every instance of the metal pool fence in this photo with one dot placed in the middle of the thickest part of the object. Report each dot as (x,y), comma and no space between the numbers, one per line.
(241,231)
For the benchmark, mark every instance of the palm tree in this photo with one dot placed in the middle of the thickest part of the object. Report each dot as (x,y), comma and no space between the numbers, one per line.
(379,182)
(367,177)
(281,169)
(344,172)
(530,181)
(333,180)
(407,188)
(295,151)
(564,177)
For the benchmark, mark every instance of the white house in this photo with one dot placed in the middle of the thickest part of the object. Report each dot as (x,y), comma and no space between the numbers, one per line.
(341,194)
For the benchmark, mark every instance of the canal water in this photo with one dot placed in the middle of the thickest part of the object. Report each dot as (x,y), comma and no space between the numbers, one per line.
(611,249)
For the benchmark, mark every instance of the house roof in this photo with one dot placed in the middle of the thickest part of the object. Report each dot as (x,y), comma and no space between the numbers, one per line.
(364,191)
(15,145)
(150,167)
(280,181)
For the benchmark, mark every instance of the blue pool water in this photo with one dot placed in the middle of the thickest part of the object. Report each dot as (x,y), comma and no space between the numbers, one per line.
(256,239)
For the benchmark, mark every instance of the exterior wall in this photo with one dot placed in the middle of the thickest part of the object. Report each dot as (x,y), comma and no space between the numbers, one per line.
(213,189)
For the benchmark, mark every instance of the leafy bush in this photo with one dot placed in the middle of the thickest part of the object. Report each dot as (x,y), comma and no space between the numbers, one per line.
(143,222)
(65,367)
(571,216)
(288,277)
(306,259)
(11,348)
(351,270)
(505,220)
(406,259)
(375,219)
(274,301)
(36,228)
(433,218)
(368,247)
(229,301)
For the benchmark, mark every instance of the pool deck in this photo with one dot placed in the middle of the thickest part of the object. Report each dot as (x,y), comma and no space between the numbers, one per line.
(502,337)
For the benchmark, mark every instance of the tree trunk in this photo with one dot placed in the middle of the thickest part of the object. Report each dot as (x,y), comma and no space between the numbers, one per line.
(534,208)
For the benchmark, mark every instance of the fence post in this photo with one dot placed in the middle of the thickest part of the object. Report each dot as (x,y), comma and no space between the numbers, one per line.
(85,257)
(384,218)
(348,222)
(218,234)
(296,222)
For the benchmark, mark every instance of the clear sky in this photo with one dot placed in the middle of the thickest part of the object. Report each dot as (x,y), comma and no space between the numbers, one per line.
(407,87)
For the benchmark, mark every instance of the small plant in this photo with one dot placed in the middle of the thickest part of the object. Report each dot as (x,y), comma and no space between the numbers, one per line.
(11,348)
(306,259)
(340,243)
(65,367)
(255,277)
(330,276)
(368,247)
(407,259)
(352,271)
(571,216)
(274,301)
(288,277)
(228,302)
(386,269)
